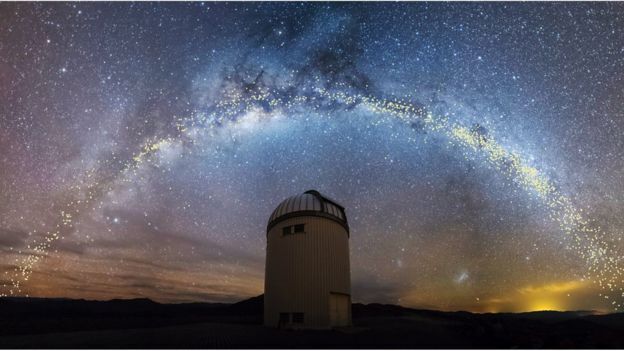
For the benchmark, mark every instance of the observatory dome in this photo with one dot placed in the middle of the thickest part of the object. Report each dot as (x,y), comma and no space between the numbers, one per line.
(310,203)
(307,280)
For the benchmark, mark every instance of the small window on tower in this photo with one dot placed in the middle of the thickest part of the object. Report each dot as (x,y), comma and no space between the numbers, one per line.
(297,317)
(293,229)
(284,318)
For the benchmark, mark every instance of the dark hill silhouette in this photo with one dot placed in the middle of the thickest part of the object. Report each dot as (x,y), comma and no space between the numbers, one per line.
(142,323)
(250,306)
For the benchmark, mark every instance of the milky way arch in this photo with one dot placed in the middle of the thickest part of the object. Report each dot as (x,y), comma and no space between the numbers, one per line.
(236,102)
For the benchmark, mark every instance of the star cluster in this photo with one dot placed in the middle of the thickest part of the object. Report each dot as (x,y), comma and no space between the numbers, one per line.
(477,148)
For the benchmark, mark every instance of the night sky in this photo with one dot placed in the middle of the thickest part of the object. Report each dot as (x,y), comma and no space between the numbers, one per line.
(477,147)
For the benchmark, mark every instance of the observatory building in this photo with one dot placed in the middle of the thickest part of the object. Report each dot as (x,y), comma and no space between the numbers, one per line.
(307,282)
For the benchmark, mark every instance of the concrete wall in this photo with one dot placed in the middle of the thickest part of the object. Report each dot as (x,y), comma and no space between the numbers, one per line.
(303,269)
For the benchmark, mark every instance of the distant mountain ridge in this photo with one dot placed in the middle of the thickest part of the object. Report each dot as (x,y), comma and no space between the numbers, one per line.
(253,306)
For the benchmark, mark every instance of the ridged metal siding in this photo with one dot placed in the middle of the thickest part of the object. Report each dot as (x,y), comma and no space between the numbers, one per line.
(303,269)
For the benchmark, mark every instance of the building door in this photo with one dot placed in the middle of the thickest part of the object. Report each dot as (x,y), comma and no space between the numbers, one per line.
(339,309)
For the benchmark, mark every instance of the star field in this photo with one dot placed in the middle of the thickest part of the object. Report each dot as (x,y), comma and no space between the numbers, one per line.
(476,147)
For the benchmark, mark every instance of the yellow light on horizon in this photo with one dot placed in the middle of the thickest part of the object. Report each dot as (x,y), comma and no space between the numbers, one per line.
(545,304)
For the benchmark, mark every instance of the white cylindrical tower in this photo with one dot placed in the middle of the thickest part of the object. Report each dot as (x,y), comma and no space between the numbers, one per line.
(307,278)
